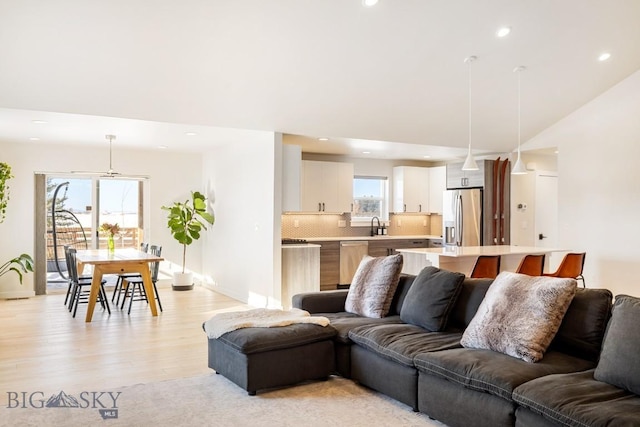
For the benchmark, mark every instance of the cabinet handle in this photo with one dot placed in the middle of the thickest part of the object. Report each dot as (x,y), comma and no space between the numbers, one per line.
(404,209)
(420,208)
(351,207)
(322,206)
(319,207)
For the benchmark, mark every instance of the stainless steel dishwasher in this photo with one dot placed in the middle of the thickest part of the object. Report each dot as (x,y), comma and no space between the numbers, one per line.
(351,253)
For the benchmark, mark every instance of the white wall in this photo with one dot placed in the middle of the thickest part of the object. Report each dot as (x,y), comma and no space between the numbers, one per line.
(523,191)
(599,190)
(241,257)
(173,176)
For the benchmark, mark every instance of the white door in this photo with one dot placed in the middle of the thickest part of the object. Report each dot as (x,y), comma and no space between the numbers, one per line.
(546,213)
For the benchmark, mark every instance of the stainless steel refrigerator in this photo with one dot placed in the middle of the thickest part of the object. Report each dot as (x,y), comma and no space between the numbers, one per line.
(463,217)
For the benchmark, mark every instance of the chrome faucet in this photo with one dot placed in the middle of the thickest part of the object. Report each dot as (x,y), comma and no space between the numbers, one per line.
(376,231)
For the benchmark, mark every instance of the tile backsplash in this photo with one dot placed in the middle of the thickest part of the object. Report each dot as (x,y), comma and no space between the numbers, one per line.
(327,225)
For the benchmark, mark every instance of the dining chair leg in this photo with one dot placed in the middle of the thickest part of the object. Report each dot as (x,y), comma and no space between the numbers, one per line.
(66,298)
(155,289)
(103,295)
(133,292)
(127,293)
(116,290)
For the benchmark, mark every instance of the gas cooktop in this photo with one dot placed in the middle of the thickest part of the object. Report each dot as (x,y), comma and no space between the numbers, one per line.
(289,241)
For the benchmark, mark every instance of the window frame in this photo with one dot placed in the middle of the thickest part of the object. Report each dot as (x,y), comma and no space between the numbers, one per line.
(362,221)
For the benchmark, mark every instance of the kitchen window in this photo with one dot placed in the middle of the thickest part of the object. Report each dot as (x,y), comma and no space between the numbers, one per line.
(370,198)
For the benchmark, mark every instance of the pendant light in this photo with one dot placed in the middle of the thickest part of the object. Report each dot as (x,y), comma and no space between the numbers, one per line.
(519,168)
(469,163)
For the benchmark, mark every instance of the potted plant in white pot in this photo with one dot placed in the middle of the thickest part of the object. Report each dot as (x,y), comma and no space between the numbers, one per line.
(186,221)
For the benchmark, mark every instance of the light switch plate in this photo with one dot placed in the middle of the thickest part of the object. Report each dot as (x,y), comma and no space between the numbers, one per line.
(342,223)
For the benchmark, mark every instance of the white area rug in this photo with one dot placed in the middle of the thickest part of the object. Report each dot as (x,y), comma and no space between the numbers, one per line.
(212,400)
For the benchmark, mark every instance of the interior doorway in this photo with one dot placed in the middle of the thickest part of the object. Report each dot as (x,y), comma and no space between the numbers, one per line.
(546,213)
(70,210)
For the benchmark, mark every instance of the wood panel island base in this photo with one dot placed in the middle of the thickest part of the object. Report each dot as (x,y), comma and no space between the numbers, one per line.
(463,258)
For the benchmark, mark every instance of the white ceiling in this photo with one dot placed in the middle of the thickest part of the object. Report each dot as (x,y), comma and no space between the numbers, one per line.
(332,68)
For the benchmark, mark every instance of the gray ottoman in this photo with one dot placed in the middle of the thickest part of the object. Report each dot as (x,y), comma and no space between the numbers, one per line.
(261,358)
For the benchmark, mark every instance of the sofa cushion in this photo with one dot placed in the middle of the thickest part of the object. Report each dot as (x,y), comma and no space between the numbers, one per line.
(619,363)
(431,298)
(374,285)
(494,373)
(579,399)
(402,342)
(344,322)
(259,340)
(583,326)
(520,315)
(471,295)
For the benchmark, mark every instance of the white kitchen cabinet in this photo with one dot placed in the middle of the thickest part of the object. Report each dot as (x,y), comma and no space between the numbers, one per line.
(327,186)
(410,189)
(437,186)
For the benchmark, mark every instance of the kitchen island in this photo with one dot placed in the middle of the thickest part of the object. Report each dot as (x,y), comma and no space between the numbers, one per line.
(463,258)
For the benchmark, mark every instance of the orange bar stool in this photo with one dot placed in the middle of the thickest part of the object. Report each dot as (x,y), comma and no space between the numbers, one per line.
(486,267)
(532,265)
(571,267)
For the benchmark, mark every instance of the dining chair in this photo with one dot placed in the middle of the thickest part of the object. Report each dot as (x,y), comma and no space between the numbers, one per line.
(571,267)
(486,267)
(532,265)
(144,247)
(134,284)
(79,293)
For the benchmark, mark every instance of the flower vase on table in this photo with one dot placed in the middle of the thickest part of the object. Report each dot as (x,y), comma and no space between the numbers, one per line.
(111,244)
(110,230)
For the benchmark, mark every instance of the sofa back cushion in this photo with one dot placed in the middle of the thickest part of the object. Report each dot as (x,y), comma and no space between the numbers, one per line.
(472,293)
(619,364)
(431,297)
(583,326)
(405,282)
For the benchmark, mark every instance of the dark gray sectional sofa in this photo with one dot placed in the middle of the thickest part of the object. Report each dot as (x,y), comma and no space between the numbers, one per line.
(432,373)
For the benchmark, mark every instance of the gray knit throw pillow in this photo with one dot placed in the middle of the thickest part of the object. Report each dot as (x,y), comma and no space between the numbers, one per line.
(374,285)
(520,315)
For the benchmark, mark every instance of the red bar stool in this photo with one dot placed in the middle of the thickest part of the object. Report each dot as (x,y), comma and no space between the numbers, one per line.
(486,267)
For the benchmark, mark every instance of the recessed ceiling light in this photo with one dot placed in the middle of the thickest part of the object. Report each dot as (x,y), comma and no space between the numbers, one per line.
(162,147)
(426,157)
(503,32)
(38,122)
(369,3)
(323,139)
(366,152)
(190,133)
(34,138)
(604,56)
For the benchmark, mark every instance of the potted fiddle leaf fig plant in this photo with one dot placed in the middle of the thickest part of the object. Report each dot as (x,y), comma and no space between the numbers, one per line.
(186,220)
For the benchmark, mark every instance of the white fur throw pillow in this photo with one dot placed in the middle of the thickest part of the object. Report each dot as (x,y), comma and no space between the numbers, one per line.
(373,286)
(520,315)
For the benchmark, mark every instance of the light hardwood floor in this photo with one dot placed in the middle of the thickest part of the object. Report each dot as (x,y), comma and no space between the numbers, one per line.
(42,348)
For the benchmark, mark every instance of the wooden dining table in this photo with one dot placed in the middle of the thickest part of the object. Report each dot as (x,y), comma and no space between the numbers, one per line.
(117,262)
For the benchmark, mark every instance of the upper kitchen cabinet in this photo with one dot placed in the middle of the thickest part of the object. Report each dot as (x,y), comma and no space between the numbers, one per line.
(410,189)
(327,186)
(437,186)
(457,178)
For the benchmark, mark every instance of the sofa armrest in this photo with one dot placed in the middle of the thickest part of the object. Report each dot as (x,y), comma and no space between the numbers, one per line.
(321,302)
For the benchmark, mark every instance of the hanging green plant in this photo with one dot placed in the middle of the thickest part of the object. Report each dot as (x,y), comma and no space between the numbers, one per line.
(5,175)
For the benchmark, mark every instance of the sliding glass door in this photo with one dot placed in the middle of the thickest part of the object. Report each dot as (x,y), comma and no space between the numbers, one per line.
(75,208)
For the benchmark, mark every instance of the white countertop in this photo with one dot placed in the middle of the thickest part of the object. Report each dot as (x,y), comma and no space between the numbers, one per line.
(474,251)
(300,246)
(386,237)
